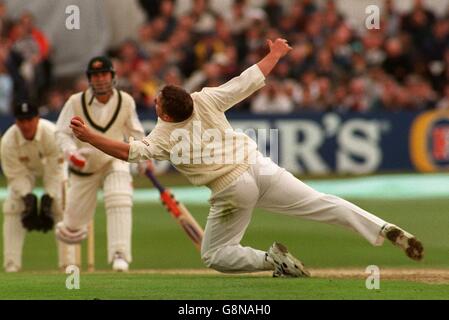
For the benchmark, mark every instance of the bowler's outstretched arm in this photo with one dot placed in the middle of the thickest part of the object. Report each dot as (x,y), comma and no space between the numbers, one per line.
(278,49)
(252,79)
(114,148)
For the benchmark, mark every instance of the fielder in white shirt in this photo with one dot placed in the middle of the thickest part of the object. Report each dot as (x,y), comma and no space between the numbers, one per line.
(29,151)
(113,113)
(190,133)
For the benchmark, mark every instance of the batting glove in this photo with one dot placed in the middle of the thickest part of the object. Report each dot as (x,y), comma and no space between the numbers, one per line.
(77,158)
(140,167)
(145,165)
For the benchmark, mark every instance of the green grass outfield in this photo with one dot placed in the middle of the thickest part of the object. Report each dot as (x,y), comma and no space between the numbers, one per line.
(159,243)
(205,287)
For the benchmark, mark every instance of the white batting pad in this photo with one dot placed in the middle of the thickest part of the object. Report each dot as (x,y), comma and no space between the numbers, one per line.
(118,190)
(119,221)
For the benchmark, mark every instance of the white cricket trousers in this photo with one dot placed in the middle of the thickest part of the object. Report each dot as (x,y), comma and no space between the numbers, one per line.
(265,185)
(82,201)
(14,233)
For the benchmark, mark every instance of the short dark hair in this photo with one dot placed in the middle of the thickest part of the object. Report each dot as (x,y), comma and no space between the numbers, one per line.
(176,103)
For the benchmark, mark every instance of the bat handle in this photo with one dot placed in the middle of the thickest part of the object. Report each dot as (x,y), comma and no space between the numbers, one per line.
(153,179)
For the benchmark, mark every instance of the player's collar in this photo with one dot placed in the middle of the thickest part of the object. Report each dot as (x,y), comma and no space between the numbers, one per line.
(93,99)
(91,120)
(37,136)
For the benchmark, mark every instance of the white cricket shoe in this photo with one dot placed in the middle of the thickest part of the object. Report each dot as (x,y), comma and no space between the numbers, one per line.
(284,263)
(119,264)
(12,267)
(413,247)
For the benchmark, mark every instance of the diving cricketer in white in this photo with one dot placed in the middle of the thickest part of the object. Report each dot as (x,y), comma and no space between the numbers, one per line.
(238,188)
(23,161)
(91,169)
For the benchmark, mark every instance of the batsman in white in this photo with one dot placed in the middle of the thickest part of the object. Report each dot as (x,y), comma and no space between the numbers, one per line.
(240,186)
(113,113)
(28,151)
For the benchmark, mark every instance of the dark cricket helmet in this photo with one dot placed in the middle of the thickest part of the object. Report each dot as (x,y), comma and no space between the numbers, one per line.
(100,64)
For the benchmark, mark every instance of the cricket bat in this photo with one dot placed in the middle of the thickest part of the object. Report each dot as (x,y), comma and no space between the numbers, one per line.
(179,212)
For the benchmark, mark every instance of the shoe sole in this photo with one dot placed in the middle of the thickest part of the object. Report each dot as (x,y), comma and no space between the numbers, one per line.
(296,264)
(120,269)
(413,247)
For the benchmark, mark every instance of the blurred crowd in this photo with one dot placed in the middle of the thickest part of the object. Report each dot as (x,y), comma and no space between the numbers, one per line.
(25,68)
(403,65)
